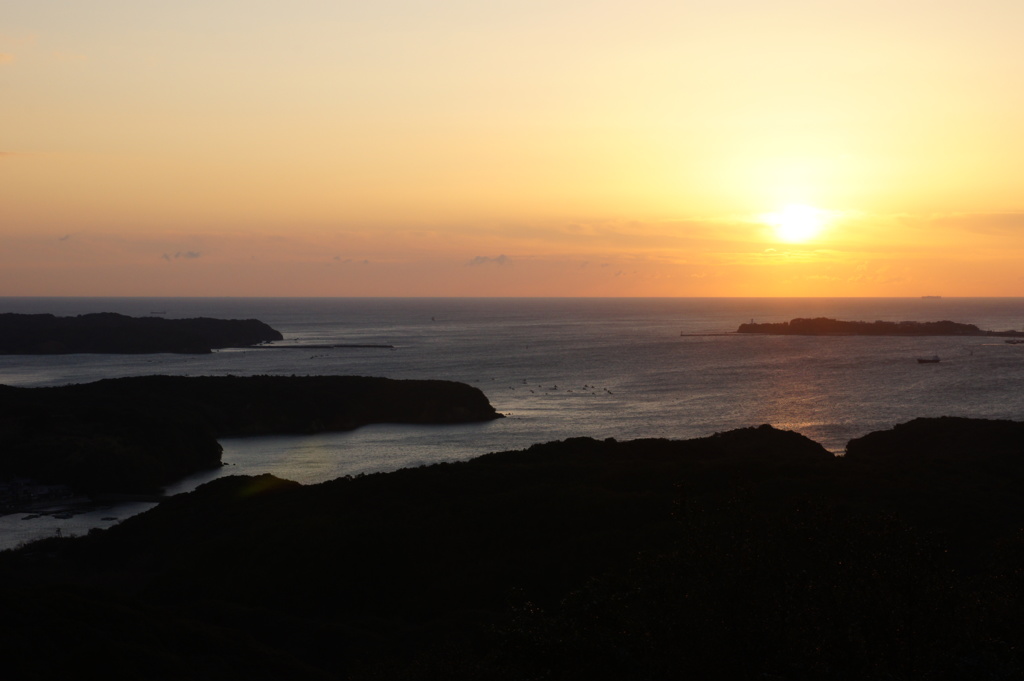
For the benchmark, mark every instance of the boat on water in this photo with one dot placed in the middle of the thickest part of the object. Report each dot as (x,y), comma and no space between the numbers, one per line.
(934,359)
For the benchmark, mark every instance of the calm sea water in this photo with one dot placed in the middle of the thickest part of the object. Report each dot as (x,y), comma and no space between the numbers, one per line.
(623,368)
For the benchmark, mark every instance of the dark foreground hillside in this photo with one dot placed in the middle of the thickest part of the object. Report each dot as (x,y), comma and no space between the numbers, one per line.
(752,554)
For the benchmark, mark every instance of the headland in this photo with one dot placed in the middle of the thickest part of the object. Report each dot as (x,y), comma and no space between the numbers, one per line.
(112,333)
(137,434)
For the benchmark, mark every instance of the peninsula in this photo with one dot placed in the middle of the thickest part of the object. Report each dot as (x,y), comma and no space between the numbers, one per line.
(137,434)
(112,333)
(824,326)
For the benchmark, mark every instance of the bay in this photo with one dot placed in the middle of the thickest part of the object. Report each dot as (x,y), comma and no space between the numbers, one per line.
(558,368)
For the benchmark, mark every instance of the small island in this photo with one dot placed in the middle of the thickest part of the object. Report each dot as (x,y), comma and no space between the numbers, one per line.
(824,326)
(112,333)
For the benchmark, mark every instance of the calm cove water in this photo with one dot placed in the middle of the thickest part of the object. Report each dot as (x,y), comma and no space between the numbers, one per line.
(623,368)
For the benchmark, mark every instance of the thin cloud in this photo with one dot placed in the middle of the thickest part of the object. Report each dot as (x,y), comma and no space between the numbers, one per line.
(875,274)
(484,260)
(983,223)
(6,58)
(187,255)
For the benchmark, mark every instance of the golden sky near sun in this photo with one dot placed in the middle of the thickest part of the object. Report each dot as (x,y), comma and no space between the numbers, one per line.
(563,147)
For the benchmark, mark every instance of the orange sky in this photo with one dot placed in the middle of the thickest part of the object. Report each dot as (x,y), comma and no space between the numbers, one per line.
(519,148)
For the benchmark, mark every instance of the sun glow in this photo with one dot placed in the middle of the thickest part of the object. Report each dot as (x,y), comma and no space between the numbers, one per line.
(796,223)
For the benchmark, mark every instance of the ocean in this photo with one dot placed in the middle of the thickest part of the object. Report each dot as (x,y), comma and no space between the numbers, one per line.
(558,368)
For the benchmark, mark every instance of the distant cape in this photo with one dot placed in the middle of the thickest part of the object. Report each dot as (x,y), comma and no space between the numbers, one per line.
(109,332)
(823,326)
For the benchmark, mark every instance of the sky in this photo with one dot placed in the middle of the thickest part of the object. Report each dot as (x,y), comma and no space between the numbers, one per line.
(511,148)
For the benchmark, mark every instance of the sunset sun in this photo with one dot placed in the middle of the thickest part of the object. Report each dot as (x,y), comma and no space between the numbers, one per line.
(796,223)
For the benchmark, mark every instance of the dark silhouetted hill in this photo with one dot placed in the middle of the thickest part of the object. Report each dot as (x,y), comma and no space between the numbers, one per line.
(749,554)
(108,332)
